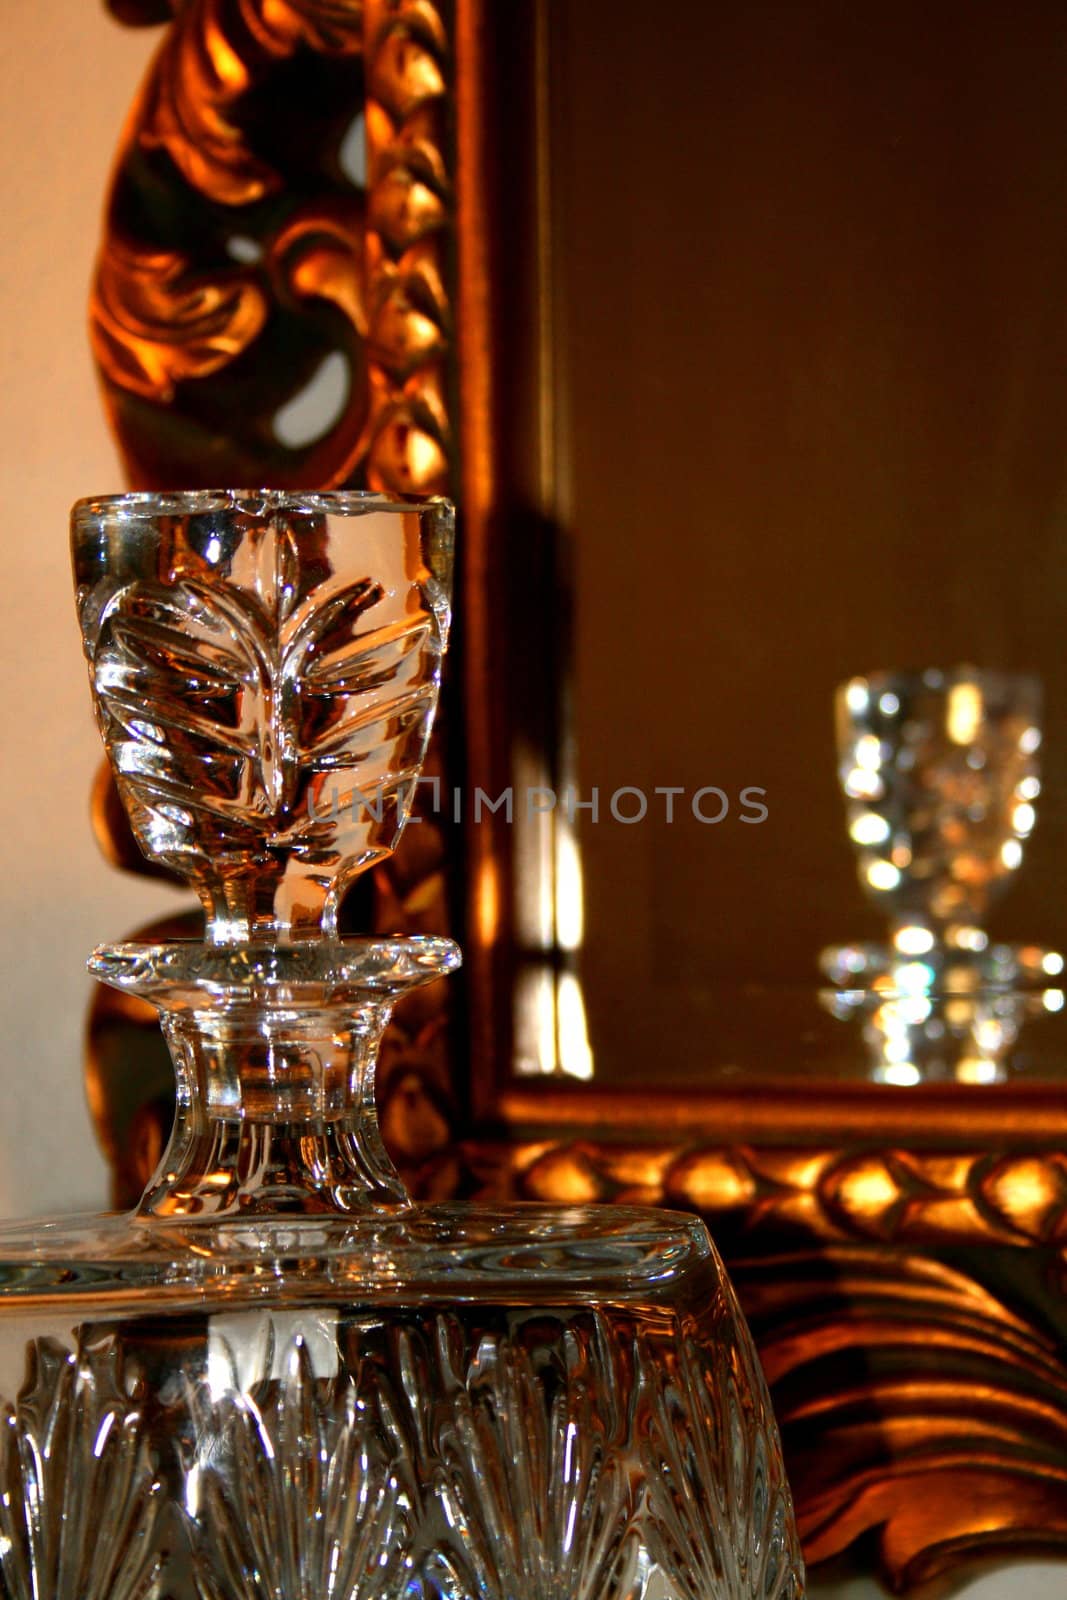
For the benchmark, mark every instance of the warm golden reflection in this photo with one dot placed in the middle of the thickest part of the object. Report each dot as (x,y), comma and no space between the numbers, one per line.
(939,769)
(963,715)
(487,903)
(939,774)
(550,1021)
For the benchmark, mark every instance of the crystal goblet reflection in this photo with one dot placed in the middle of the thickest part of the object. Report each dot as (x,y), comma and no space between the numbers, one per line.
(941,778)
(940,773)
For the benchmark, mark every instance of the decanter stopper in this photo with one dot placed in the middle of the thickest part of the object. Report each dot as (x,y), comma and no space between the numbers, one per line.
(265,669)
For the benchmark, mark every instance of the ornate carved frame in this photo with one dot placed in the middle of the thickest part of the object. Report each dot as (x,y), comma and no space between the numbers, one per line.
(900,1252)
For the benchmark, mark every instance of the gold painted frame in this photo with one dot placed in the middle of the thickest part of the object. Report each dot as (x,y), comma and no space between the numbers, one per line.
(900,1252)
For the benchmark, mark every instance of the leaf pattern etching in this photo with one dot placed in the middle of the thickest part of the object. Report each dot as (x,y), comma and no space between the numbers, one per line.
(266,717)
(79,1497)
(547,1455)
(302,1490)
(720,1511)
(525,1449)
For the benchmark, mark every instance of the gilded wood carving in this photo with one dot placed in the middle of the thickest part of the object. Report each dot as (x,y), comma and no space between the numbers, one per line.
(831,1194)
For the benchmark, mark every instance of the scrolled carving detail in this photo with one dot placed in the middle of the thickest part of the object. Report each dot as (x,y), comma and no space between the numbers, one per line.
(920,1408)
(236,259)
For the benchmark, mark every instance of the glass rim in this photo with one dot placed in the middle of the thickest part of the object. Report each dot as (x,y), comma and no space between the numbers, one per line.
(194,502)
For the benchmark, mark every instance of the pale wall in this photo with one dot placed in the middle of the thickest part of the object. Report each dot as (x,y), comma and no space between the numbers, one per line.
(67,75)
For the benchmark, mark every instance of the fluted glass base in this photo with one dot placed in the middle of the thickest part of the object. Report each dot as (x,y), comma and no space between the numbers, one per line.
(523,1403)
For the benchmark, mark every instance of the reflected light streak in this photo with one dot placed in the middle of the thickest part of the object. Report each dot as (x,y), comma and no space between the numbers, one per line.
(535,1021)
(575,1056)
(487,903)
(963,716)
(552,1034)
(534,863)
(569,895)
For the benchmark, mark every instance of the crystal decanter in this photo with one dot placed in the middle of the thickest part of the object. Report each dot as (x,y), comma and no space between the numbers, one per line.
(278,1379)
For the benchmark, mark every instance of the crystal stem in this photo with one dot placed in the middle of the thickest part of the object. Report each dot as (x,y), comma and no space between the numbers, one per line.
(274,1050)
(274,1114)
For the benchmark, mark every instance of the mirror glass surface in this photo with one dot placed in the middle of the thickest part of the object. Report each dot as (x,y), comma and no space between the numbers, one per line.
(808,386)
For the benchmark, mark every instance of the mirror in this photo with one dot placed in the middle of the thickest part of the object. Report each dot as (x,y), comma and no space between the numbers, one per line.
(788,318)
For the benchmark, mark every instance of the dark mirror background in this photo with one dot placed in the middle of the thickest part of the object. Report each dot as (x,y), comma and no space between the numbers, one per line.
(810,380)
